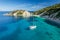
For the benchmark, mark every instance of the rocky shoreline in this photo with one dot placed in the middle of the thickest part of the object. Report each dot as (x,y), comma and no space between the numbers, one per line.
(54,22)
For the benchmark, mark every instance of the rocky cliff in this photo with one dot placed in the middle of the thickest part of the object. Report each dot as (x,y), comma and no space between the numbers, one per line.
(21,13)
(50,12)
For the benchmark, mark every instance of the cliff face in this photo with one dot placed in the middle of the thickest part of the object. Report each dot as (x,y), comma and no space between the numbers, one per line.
(51,11)
(17,13)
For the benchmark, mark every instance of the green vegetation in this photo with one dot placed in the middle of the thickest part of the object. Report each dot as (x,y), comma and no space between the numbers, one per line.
(53,10)
(17,12)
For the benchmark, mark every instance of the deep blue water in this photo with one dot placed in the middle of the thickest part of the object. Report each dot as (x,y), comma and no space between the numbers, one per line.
(12,28)
(7,19)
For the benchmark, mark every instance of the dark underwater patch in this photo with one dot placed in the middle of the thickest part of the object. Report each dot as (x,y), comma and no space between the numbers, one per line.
(52,23)
(2,28)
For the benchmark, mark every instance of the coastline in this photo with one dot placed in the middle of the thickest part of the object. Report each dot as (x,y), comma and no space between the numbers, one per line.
(52,19)
(54,22)
(6,14)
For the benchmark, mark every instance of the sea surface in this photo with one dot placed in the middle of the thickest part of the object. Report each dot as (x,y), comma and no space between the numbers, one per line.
(12,28)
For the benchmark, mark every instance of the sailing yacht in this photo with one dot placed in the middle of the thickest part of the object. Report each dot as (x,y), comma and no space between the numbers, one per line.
(32,27)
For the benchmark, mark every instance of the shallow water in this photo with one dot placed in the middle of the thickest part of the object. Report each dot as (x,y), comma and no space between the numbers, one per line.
(16,29)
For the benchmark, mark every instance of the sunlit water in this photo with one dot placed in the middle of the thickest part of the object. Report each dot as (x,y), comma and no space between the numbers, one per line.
(12,28)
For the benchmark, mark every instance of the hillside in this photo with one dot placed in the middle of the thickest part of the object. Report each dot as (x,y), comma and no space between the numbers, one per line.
(16,13)
(51,11)
(53,7)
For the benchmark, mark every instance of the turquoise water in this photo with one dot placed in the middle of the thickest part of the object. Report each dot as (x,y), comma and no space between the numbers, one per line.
(17,30)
